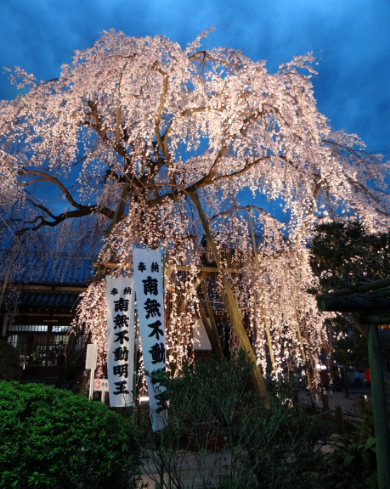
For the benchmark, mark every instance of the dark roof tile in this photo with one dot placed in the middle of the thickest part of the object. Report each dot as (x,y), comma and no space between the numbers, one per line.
(57,268)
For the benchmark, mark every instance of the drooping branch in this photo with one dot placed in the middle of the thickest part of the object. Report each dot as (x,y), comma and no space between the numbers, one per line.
(49,178)
(85,211)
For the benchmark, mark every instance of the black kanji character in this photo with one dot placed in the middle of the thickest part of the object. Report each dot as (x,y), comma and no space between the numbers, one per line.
(121,370)
(127,291)
(121,388)
(154,267)
(121,305)
(121,336)
(158,353)
(141,266)
(121,354)
(152,308)
(161,401)
(114,291)
(120,320)
(150,286)
(156,330)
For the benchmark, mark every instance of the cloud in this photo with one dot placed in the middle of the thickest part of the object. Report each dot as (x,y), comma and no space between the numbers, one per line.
(351,40)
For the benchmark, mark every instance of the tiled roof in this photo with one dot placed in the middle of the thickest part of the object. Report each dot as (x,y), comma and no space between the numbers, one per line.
(48,299)
(56,268)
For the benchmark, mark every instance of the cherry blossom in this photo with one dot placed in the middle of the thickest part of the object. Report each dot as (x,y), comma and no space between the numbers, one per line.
(157,144)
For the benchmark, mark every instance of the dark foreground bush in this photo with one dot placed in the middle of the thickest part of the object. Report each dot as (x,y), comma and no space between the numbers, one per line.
(55,439)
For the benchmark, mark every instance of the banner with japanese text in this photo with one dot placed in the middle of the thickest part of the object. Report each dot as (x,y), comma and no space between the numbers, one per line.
(120,340)
(148,280)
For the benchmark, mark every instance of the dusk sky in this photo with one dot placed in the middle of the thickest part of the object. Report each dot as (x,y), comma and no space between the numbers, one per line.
(351,40)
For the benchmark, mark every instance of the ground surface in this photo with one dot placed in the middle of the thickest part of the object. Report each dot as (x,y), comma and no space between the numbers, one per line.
(337,398)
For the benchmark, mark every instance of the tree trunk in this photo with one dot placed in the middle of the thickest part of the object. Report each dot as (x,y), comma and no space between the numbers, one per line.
(380,412)
(231,305)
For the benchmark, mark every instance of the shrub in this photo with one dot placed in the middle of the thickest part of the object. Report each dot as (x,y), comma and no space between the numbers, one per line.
(353,462)
(53,438)
(280,444)
(262,447)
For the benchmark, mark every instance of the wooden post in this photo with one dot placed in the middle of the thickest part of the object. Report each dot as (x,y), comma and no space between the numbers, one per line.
(231,306)
(211,327)
(325,401)
(84,382)
(379,408)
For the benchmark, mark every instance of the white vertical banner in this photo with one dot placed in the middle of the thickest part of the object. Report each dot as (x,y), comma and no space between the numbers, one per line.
(148,281)
(120,340)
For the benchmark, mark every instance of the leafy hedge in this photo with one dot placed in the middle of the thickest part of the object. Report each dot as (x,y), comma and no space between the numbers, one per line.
(52,438)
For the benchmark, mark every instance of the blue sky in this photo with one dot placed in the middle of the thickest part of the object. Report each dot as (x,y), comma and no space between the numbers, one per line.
(350,38)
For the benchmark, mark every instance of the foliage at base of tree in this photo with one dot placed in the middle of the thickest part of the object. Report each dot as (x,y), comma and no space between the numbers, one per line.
(353,463)
(54,439)
(236,441)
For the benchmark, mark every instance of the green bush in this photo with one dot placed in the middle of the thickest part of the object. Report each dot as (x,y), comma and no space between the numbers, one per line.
(353,462)
(234,440)
(281,444)
(54,439)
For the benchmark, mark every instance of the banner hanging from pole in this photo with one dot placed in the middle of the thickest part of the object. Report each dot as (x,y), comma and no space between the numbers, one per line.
(120,340)
(148,280)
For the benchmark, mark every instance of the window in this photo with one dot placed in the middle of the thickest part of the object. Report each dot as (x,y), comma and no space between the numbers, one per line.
(28,328)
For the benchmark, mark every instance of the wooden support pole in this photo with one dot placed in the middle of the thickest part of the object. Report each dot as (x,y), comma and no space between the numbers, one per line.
(379,407)
(217,348)
(325,401)
(231,305)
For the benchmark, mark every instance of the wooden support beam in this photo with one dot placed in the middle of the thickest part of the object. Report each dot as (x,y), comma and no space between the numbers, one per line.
(215,345)
(377,284)
(232,307)
(352,304)
(172,268)
(380,317)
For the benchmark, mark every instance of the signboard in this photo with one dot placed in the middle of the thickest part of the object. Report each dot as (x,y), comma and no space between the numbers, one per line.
(148,281)
(120,340)
(100,385)
(91,360)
